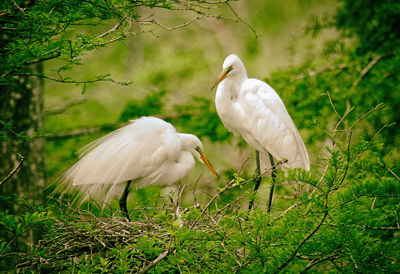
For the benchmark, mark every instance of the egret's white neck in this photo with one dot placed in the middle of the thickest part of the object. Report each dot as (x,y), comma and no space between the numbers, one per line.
(228,90)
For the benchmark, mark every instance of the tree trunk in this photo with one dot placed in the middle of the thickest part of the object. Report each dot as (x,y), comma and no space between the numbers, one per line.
(21,105)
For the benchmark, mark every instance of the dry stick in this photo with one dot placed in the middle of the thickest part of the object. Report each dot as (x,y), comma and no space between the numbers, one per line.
(391,171)
(73,81)
(175,27)
(366,69)
(241,20)
(153,263)
(112,29)
(177,214)
(64,107)
(229,204)
(330,101)
(13,171)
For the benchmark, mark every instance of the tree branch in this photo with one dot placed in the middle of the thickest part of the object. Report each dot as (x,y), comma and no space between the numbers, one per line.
(62,108)
(74,81)
(14,170)
(241,20)
(156,261)
(285,263)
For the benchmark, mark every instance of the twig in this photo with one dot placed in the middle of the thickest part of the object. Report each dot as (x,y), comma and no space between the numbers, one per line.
(156,261)
(367,68)
(74,81)
(285,263)
(18,7)
(369,195)
(315,261)
(241,20)
(67,105)
(391,171)
(14,170)
(229,204)
(174,27)
(111,30)
(333,106)
(372,139)
(373,203)
(379,106)
(177,215)
(229,186)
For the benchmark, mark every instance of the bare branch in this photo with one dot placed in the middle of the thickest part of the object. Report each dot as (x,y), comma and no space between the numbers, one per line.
(14,170)
(379,106)
(285,263)
(18,7)
(73,81)
(67,105)
(156,261)
(241,20)
(174,27)
(111,30)
(391,171)
(367,68)
(333,106)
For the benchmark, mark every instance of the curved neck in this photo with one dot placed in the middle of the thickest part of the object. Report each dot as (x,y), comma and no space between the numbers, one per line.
(228,90)
(188,141)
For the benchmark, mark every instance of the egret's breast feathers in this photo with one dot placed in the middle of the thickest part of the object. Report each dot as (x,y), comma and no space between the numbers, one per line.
(270,126)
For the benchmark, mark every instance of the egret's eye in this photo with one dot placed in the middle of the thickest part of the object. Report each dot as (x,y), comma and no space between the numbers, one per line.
(230,68)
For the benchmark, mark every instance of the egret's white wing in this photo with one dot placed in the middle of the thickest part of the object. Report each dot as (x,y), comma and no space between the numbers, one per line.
(269,126)
(138,151)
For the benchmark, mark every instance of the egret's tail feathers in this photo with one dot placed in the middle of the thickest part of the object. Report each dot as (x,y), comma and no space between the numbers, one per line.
(101,194)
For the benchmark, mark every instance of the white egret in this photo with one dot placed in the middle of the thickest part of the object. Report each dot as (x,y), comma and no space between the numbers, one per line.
(252,109)
(146,151)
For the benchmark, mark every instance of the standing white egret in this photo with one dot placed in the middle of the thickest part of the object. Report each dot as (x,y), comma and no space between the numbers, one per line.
(252,109)
(144,152)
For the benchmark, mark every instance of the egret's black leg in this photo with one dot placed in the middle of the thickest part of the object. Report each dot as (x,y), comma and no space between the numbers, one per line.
(122,201)
(273,175)
(257,179)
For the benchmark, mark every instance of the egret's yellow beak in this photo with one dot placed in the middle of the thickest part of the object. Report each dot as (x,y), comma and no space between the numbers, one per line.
(206,162)
(221,77)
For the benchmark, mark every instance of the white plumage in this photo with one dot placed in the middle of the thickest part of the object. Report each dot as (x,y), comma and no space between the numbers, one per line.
(146,151)
(252,109)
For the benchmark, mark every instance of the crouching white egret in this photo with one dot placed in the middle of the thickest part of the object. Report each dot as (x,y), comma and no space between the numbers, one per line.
(146,151)
(252,109)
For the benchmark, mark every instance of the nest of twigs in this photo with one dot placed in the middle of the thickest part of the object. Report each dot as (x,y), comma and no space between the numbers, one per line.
(81,235)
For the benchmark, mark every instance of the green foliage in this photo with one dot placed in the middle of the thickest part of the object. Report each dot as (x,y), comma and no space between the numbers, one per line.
(200,118)
(15,230)
(151,105)
(342,216)
(375,23)
(347,219)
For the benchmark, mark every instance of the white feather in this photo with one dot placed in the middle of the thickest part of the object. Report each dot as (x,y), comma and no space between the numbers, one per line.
(252,109)
(147,151)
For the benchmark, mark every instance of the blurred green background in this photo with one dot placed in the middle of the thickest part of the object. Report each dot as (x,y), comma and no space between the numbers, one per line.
(174,66)
(336,66)
(287,44)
